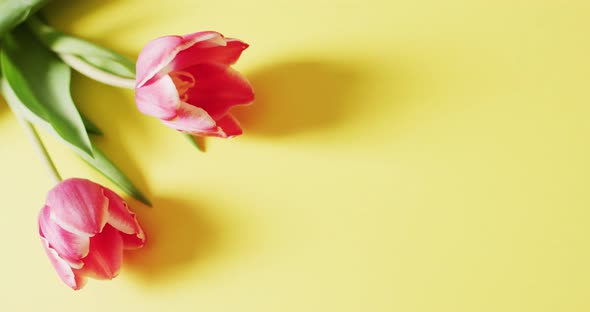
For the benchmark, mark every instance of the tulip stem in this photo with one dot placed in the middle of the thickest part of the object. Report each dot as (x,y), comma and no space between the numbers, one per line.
(95,73)
(40,148)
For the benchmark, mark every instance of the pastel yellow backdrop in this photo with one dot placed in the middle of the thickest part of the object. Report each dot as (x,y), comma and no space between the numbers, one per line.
(401,156)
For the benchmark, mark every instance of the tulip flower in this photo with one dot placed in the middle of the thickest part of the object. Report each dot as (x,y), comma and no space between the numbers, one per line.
(188,83)
(84,228)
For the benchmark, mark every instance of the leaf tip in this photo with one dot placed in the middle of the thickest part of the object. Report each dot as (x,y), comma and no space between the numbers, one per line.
(198,142)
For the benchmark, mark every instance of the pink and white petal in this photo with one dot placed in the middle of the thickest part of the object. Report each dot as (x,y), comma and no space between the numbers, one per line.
(229,126)
(65,272)
(155,57)
(124,220)
(159,98)
(203,39)
(120,217)
(69,246)
(216,132)
(190,119)
(226,54)
(78,206)
(105,256)
(218,88)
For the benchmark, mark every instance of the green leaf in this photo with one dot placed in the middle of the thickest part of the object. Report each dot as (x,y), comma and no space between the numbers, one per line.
(91,128)
(42,83)
(92,54)
(106,167)
(14,12)
(197,142)
(99,162)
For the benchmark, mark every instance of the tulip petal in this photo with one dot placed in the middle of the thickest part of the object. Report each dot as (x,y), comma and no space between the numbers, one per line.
(124,220)
(218,88)
(154,56)
(203,39)
(69,246)
(62,268)
(229,126)
(159,99)
(120,217)
(191,119)
(226,54)
(131,242)
(158,53)
(78,206)
(106,255)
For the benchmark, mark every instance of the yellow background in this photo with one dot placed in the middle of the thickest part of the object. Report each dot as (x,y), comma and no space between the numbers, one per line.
(402,156)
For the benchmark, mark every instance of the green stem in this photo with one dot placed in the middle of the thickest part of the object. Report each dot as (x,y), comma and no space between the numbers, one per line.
(40,148)
(95,73)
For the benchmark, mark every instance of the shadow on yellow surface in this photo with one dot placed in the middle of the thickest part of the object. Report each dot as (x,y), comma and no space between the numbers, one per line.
(302,95)
(178,236)
(117,152)
(63,14)
(3,107)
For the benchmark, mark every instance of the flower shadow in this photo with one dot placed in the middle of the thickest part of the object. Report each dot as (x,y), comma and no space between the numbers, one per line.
(3,106)
(302,95)
(178,235)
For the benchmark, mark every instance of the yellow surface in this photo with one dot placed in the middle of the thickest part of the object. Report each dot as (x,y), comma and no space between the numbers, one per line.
(402,156)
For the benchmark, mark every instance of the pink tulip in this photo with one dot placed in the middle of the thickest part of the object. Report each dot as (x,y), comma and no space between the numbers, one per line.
(84,228)
(187,82)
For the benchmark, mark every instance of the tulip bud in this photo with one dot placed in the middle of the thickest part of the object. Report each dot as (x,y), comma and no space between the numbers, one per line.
(84,228)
